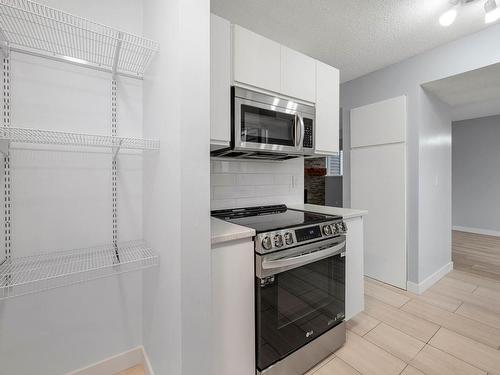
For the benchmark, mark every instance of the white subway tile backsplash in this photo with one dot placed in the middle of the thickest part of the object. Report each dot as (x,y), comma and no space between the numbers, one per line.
(255,179)
(218,204)
(222,179)
(259,201)
(229,192)
(238,183)
(273,190)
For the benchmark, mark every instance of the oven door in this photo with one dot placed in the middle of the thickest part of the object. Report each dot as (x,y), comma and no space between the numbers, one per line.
(300,294)
(267,128)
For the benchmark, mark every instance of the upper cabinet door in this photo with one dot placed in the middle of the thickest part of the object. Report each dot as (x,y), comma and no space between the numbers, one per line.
(327,109)
(298,75)
(257,60)
(220,82)
(379,123)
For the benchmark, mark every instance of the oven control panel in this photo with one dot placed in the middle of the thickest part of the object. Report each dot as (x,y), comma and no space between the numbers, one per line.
(287,238)
(309,233)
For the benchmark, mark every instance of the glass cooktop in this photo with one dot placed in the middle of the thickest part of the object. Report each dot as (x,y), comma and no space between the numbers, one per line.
(271,218)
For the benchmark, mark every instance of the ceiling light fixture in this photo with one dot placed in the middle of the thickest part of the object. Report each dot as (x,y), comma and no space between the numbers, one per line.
(449,16)
(492,11)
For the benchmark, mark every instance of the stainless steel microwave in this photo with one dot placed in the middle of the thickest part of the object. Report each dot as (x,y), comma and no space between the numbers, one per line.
(268,127)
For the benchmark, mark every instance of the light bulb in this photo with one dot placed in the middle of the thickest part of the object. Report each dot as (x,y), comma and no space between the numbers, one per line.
(448,17)
(492,11)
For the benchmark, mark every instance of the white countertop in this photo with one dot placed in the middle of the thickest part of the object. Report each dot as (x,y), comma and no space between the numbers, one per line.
(222,231)
(346,213)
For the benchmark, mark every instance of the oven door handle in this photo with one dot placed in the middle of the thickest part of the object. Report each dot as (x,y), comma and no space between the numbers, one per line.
(300,260)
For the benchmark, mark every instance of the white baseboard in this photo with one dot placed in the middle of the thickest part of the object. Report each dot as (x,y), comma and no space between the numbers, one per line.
(146,363)
(430,281)
(486,232)
(117,363)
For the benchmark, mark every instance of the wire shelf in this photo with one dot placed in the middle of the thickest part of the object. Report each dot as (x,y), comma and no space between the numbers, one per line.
(50,137)
(32,27)
(26,275)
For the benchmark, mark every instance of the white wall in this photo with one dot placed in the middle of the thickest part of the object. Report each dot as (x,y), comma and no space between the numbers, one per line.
(62,200)
(405,78)
(434,186)
(176,188)
(236,183)
(476,174)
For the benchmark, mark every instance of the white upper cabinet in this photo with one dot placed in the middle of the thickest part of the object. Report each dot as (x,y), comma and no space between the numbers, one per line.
(379,123)
(266,65)
(220,82)
(327,109)
(256,60)
(298,75)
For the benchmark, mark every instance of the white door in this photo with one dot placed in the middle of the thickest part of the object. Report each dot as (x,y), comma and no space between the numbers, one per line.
(378,184)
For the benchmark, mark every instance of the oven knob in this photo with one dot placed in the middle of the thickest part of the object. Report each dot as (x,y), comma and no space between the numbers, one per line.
(288,238)
(278,240)
(267,243)
(327,230)
(338,228)
(344,227)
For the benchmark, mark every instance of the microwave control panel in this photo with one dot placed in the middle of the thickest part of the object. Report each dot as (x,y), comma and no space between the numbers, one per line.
(308,133)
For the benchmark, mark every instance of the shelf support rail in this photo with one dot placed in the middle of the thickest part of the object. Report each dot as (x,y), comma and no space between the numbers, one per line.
(6,159)
(114,165)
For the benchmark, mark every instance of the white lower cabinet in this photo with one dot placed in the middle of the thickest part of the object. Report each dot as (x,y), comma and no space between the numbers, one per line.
(327,109)
(233,308)
(354,269)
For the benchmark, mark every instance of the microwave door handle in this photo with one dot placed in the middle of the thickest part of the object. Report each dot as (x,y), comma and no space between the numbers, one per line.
(302,130)
(301,260)
(297,130)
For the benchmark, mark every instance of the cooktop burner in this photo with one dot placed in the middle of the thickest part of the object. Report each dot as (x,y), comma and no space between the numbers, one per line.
(271,218)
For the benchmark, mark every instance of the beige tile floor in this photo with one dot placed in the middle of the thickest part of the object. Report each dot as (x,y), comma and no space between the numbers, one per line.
(136,370)
(477,254)
(451,329)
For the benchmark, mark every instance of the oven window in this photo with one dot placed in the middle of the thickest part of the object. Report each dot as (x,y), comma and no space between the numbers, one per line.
(296,306)
(267,127)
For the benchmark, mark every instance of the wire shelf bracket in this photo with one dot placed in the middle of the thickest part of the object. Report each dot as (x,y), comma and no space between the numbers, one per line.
(38,30)
(4,49)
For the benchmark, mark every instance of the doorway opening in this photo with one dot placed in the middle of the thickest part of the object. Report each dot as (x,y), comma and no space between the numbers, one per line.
(474,98)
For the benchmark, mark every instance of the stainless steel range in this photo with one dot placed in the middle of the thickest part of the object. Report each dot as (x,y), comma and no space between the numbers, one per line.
(299,286)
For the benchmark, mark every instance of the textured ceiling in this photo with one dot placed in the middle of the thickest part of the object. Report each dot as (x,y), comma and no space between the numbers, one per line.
(356,36)
(472,94)
(471,87)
